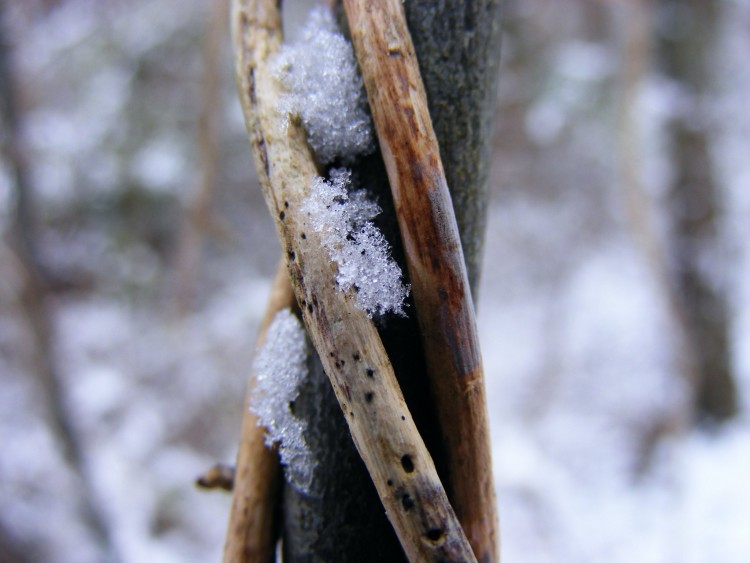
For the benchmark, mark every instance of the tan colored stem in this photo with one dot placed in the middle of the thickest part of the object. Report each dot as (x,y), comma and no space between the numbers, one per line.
(435,259)
(346,340)
(220,476)
(255,497)
(200,219)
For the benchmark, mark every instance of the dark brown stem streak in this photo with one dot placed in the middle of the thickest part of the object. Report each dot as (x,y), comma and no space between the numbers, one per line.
(434,258)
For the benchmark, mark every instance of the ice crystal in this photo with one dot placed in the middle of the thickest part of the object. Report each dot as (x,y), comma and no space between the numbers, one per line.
(343,219)
(280,367)
(325,89)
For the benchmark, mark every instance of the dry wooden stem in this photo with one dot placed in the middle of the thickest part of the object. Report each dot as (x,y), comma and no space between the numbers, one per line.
(219,476)
(255,497)
(346,340)
(434,256)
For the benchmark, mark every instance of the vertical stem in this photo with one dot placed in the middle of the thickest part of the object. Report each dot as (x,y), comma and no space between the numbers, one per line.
(198,215)
(434,259)
(695,207)
(251,534)
(639,209)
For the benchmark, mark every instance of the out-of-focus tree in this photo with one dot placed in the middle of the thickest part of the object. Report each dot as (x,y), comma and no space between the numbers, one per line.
(37,284)
(677,39)
(685,43)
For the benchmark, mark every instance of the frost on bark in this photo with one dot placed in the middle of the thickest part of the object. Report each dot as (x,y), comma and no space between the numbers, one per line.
(457,44)
(685,48)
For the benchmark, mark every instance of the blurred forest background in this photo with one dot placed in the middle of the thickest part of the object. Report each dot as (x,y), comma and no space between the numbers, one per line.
(614,307)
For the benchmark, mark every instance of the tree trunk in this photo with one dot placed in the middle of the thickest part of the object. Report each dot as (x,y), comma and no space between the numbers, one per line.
(457,44)
(685,48)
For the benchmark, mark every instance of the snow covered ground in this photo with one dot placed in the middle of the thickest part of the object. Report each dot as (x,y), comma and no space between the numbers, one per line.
(580,368)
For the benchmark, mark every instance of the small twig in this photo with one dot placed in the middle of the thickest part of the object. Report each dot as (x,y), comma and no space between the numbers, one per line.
(434,257)
(347,341)
(220,476)
(251,537)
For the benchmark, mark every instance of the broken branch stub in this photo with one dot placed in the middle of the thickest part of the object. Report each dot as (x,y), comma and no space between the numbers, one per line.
(346,339)
(434,257)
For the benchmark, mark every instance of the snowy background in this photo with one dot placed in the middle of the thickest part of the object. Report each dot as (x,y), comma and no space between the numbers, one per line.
(153,344)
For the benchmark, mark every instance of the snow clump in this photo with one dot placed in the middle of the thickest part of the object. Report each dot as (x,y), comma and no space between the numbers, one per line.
(343,219)
(280,368)
(326,90)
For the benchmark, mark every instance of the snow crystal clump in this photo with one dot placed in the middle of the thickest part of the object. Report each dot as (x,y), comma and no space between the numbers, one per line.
(280,367)
(325,89)
(343,218)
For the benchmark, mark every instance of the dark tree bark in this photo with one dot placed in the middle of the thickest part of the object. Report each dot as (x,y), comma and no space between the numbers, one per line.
(686,38)
(457,44)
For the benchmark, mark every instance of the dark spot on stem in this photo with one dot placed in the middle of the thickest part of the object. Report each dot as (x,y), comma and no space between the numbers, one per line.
(356,356)
(434,534)
(304,236)
(403,417)
(369,397)
(286,205)
(282,215)
(370,372)
(389,482)
(292,255)
(407,502)
(309,308)
(407,463)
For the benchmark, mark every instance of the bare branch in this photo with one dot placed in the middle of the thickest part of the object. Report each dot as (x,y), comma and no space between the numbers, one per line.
(434,258)
(346,340)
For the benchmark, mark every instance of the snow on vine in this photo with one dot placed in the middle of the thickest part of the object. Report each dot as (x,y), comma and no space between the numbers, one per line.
(326,90)
(280,368)
(343,217)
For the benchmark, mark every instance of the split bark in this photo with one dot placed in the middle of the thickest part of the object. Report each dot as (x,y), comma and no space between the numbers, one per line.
(346,340)
(434,258)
